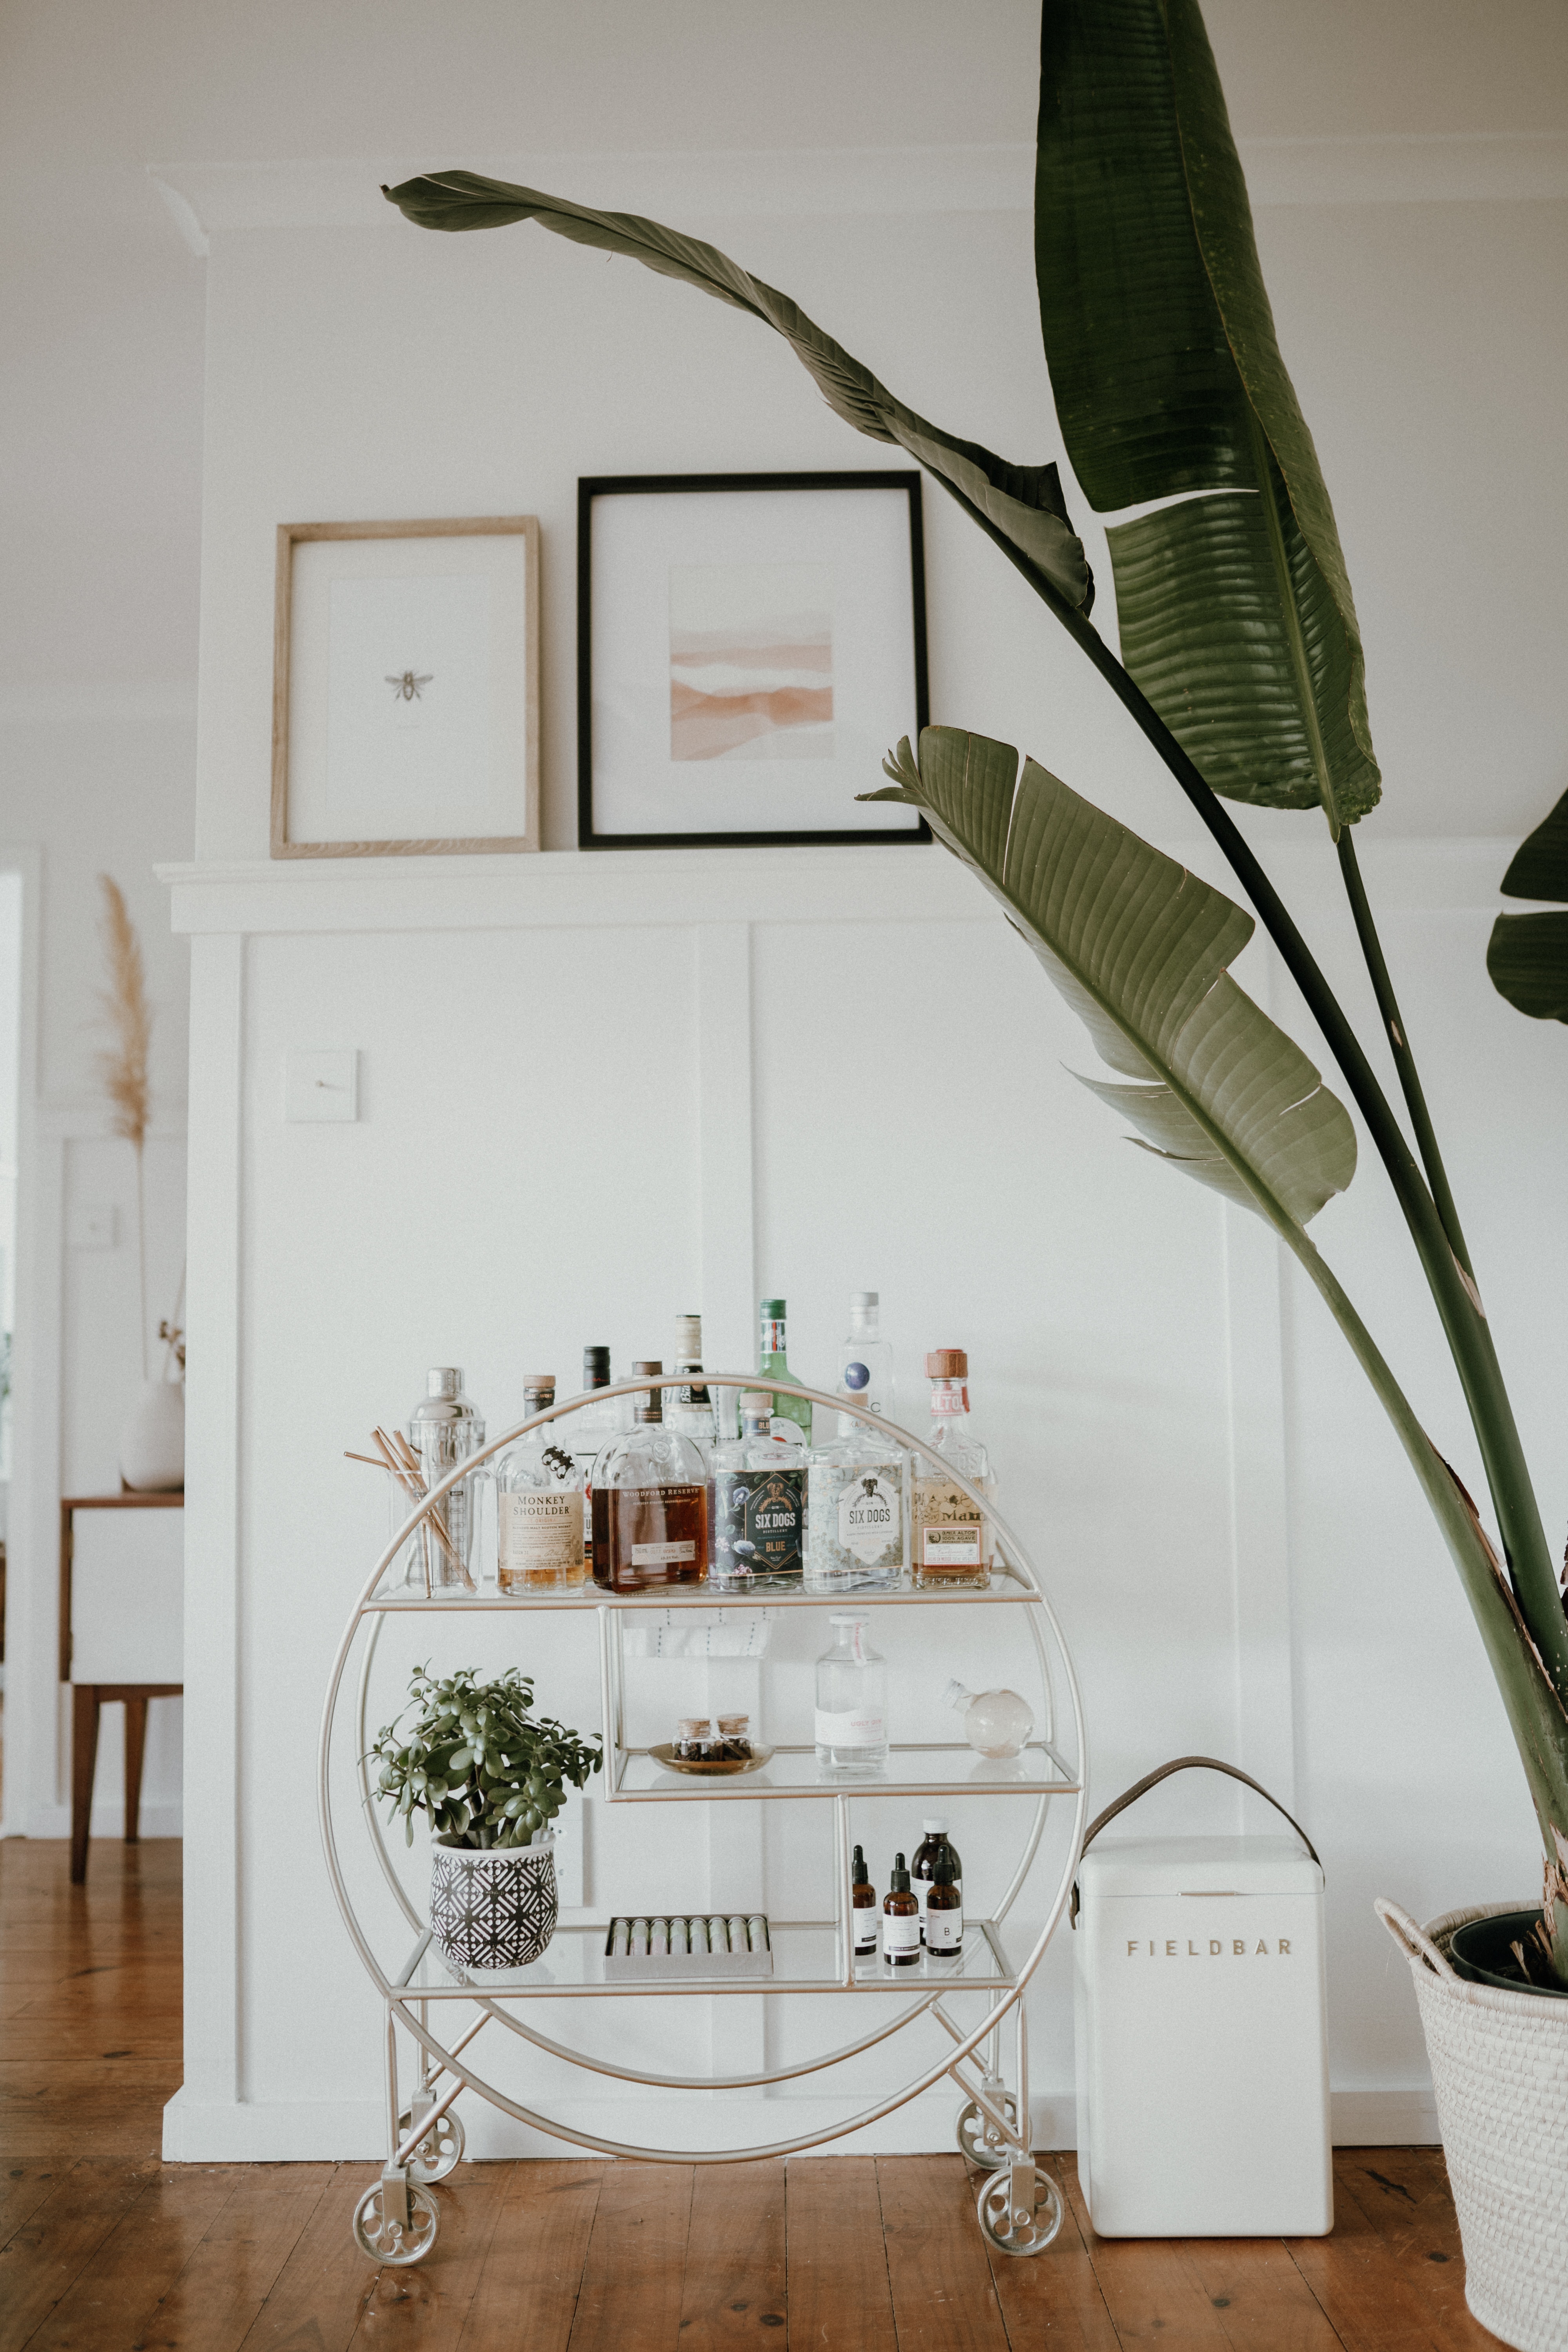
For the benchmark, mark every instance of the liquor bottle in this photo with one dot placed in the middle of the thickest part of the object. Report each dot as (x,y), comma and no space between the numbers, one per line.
(690,1408)
(856,1511)
(943,1918)
(901,1920)
(934,1847)
(539,1504)
(772,1357)
(650,1503)
(851,1701)
(589,1431)
(950,1537)
(444,1428)
(759,1501)
(863,1908)
(995,1722)
(865,1359)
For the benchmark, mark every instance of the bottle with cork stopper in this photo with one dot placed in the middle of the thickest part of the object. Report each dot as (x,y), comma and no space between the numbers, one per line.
(950,1544)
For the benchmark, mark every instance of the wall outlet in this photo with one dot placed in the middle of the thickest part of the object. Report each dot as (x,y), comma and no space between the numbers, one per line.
(318,1086)
(93,1224)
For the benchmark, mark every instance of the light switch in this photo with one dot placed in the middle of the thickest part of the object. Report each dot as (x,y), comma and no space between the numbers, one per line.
(91,1226)
(320,1085)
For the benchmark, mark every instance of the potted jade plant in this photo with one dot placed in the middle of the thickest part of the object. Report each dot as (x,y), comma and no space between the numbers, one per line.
(1240,659)
(491,1776)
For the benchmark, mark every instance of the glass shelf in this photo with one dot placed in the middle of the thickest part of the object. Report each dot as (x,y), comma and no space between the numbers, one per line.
(948,1769)
(1006,1589)
(807,1957)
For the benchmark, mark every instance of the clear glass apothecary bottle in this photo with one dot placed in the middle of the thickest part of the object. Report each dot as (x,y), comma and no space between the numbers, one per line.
(851,1701)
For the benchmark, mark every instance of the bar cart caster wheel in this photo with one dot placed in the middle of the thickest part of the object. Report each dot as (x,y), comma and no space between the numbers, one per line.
(383,2235)
(1020,2208)
(978,2138)
(439,2152)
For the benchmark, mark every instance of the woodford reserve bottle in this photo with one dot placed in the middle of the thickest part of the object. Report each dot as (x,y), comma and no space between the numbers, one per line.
(650,1503)
(950,1537)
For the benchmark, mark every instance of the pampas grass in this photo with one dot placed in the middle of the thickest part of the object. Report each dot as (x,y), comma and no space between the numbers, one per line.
(123,1064)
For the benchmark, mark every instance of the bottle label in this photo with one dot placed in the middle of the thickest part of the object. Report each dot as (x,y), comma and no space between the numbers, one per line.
(865,1932)
(944,1930)
(950,1547)
(661,1555)
(901,1932)
(852,1726)
(761,1517)
(541,1532)
(950,1400)
(870,1517)
(773,1341)
(950,1532)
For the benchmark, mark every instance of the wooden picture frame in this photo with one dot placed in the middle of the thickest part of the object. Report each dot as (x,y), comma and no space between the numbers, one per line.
(301,824)
(638,765)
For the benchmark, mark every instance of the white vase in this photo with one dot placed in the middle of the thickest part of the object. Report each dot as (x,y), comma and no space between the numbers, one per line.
(152,1440)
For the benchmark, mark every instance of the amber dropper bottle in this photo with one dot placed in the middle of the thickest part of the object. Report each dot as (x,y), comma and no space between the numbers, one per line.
(863,1896)
(901,1920)
(944,1909)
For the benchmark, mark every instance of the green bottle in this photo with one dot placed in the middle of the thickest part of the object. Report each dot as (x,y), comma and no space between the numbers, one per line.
(771,1358)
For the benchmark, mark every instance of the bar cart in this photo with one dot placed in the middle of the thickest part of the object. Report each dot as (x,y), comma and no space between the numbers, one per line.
(1018,2205)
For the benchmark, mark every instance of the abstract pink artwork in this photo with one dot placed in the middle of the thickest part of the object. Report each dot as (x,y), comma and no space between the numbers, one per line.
(751,661)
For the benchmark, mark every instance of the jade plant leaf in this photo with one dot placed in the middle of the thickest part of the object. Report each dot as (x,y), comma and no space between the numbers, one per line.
(1140,948)
(1024,504)
(1527,955)
(1234,605)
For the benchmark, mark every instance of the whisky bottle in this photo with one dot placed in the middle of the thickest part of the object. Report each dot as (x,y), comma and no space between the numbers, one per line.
(772,1358)
(856,1511)
(539,1504)
(934,1846)
(945,1911)
(865,1358)
(901,1920)
(588,1431)
(950,1536)
(690,1408)
(650,1503)
(759,1500)
(863,1908)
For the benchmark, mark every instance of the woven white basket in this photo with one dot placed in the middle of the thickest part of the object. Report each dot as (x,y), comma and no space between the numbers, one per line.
(1499,2070)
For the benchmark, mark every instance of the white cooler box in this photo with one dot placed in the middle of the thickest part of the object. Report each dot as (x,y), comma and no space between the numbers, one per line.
(1201,2033)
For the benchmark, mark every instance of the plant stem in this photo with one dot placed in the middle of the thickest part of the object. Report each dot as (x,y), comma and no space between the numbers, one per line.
(1453,1289)
(141,1252)
(1403,1060)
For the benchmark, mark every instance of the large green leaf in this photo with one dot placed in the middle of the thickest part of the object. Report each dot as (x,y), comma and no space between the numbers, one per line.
(1139,948)
(1527,955)
(1024,503)
(1235,608)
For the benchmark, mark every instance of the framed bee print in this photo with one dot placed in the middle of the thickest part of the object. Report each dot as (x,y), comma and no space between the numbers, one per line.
(749,646)
(406,688)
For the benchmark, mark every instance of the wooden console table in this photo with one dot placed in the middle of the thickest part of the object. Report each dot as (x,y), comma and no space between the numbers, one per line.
(119,1637)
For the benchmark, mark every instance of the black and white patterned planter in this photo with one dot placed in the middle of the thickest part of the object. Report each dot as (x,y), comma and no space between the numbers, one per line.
(495,1909)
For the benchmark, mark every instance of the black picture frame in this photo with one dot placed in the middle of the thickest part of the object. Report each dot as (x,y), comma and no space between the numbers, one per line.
(598,486)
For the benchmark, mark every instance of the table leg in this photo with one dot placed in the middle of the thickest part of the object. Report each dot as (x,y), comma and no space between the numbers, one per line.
(135,1748)
(84,1765)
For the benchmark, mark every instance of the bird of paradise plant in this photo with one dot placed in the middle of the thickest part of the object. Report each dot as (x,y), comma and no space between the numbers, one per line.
(1241,659)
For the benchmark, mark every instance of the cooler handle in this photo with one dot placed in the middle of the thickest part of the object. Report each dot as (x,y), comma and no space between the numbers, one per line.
(1182,1764)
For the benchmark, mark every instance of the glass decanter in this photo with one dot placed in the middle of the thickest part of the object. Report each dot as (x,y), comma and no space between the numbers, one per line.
(851,1701)
(650,1502)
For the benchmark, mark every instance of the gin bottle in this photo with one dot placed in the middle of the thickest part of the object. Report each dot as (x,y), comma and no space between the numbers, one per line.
(856,1511)
(865,1358)
(650,1503)
(950,1537)
(587,1433)
(539,1504)
(772,1357)
(852,1704)
(759,1499)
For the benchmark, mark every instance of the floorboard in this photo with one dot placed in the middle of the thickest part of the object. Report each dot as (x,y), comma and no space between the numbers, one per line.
(115,2300)
(1052,2300)
(943,2300)
(42,2260)
(528,2294)
(215,2300)
(734,2289)
(426,2304)
(634,2269)
(839,2297)
(1391,2277)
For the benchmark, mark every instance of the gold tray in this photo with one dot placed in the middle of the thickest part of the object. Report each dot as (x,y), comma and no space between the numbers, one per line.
(665,1754)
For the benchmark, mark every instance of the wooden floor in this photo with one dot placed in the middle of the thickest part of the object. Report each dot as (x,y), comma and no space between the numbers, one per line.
(104,2249)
